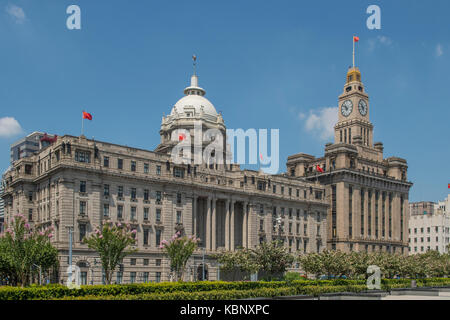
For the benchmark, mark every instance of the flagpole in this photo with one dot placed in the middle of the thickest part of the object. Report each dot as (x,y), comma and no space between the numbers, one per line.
(353,51)
(82,124)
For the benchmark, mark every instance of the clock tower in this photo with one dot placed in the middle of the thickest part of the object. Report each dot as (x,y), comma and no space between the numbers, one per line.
(354,124)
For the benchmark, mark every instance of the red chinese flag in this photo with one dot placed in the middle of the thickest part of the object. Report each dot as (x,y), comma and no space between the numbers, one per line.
(87,115)
(181,137)
(318,168)
(355,39)
(449,185)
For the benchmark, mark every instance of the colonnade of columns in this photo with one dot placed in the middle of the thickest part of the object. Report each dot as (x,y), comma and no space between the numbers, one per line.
(221,223)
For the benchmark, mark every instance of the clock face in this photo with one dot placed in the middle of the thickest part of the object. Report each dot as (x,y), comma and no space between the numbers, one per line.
(346,108)
(362,106)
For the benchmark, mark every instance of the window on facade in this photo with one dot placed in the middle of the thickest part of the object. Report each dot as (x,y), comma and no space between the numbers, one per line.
(82,156)
(133,193)
(158,237)
(120,191)
(158,170)
(133,213)
(179,217)
(120,164)
(146,211)
(178,172)
(119,212)
(133,166)
(30,196)
(106,210)
(133,261)
(178,198)
(158,196)
(158,277)
(132,277)
(106,162)
(83,186)
(145,262)
(82,207)
(145,237)
(158,215)
(146,194)
(146,168)
(106,190)
(274,189)
(30,214)
(82,231)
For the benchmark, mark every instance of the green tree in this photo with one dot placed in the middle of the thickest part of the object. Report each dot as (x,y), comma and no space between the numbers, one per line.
(242,260)
(22,248)
(179,249)
(112,242)
(272,258)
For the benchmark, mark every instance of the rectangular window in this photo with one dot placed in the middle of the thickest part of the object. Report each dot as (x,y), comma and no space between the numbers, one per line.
(106,190)
(145,262)
(178,198)
(133,213)
(145,237)
(362,211)
(305,229)
(83,186)
(133,166)
(158,170)
(158,215)
(145,277)
(106,210)
(120,164)
(158,277)
(146,168)
(274,189)
(119,277)
(83,156)
(158,237)
(133,193)
(261,225)
(146,210)
(82,231)
(178,172)
(179,220)
(133,261)
(158,262)
(82,207)
(106,162)
(132,277)
(158,197)
(119,211)
(30,214)
(120,191)
(333,211)
(146,194)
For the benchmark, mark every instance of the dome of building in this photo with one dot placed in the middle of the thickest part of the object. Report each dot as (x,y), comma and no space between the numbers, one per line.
(194,102)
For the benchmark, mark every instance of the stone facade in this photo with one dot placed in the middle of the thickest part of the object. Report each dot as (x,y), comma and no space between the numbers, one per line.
(368,194)
(78,183)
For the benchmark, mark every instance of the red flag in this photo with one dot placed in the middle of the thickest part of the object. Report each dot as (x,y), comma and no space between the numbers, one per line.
(355,39)
(318,168)
(181,137)
(87,115)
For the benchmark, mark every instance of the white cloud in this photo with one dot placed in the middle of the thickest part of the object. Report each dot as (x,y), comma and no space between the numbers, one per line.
(439,50)
(320,122)
(16,13)
(378,41)
(9,127)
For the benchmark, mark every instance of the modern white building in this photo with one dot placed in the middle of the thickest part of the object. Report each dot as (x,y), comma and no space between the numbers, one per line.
(430,230)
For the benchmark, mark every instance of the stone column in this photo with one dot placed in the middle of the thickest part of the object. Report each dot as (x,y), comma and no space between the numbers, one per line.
(194,216)
(244,225)
(214,224)
(232,225)
(227,224)
(208,223)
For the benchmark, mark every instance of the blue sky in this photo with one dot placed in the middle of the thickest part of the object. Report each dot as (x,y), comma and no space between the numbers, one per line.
(264,64)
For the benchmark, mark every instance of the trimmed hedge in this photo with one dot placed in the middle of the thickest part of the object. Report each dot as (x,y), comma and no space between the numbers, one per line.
(205,290)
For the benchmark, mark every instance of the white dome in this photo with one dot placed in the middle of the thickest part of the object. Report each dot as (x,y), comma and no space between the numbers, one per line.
(197,102)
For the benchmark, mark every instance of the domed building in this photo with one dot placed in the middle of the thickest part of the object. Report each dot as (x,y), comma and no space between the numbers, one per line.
(194,109)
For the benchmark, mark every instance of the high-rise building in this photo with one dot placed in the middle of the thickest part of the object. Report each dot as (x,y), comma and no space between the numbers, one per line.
(368,194)
(28,145)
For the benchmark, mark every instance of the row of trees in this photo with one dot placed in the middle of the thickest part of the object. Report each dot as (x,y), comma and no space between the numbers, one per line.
(354,264)
(25,253)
